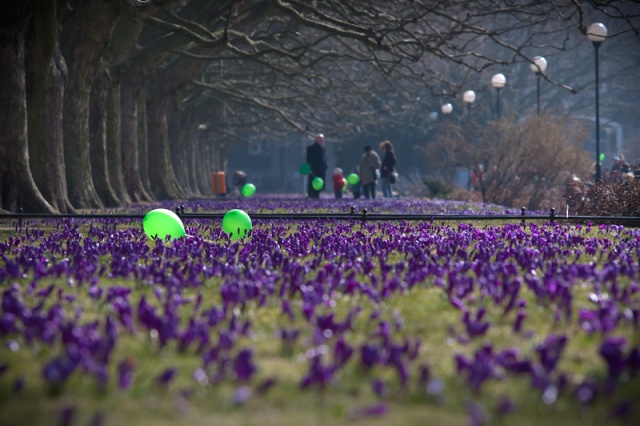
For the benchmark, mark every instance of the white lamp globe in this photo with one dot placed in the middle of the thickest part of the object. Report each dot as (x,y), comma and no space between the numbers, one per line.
(446,108)
(498,81)
(596,32)
(469,97)
(539,65)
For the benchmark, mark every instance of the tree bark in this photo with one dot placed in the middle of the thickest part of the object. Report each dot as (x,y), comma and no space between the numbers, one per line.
(178,146)
(114,145)
(143,139)
(84,39)
(98,142)
(129,93)
(17,186)
(46,72)
(163,181)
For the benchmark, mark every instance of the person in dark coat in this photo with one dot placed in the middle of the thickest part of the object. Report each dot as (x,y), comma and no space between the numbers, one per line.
(317,160)
(387,171)
(369,172)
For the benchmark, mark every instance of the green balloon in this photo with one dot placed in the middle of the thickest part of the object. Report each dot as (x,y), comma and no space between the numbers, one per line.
(602,156)
(317,183)
(353,179)
(160,223)
(248,189)
(236,223)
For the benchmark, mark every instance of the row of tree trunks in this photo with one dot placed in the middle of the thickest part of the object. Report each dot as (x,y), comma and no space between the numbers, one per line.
(17,185)
(73,137)
(85,37)
(46,72)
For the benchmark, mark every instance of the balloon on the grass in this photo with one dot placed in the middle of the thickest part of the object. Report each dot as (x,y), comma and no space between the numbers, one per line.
(248,189)
(236,223)
(160,223)
(317,183)
(353,179)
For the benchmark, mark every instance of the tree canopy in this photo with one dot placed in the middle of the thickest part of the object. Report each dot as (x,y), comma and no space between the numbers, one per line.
(105,100)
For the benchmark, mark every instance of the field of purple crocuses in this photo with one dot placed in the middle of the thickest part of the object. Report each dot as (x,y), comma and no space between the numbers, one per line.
(319,321)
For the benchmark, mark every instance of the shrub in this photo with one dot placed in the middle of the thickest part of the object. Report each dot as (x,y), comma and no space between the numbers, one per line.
(437,187)
(524,163)
(614,196)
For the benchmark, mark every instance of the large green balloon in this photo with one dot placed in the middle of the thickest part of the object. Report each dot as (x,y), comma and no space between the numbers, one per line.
(236,223)
(317,183)
(353,179)
(248,189)
(160,223)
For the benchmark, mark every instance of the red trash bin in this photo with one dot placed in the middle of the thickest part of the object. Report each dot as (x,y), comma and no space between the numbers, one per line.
(218,183)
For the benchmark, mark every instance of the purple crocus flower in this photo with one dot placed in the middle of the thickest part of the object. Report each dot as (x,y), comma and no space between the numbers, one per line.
(241,395)
(243,365)
(341,352)
(19,383)
(586,392)
(369,355)
(125,373)
(266,385)
(477,415)
(612,351)
(633,361)
(551,350)
(166,376)
(376,410)
(66,415)
(379,387)
(505,406)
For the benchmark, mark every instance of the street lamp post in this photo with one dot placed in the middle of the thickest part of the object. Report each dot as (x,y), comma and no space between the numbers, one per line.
(538,66)
(596,34)
(498,81)
(469,97)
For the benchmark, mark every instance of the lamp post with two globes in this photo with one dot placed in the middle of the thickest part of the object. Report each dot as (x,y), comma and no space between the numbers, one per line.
(597,33)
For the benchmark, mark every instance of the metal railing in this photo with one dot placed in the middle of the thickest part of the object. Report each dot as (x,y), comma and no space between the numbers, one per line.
(363,215)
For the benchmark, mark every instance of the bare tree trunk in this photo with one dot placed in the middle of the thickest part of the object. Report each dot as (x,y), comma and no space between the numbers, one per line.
(204,166)
(114,146)
(191,134)
(129,93)
(46,74)
(163,181)
(178,146)
(17,186)
(98,142)
(143,139)
(84,39)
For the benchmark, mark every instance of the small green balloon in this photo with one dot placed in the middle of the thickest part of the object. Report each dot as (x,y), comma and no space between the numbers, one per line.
(353,179)
(236,223)
(160,223)
(602,156)
(344,181)
(317,183)
(248,189)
